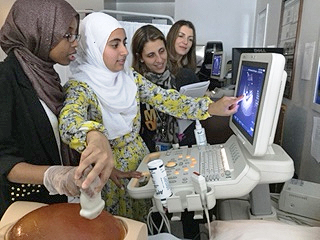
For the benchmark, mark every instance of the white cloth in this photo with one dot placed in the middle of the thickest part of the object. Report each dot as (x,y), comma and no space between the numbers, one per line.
(116,91)
(261,230)
(163,236)
(54,123)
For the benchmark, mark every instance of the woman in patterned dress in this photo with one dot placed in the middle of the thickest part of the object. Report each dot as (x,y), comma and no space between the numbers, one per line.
(105,96)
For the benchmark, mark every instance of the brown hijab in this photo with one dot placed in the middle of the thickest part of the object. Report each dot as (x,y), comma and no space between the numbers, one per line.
(31,30)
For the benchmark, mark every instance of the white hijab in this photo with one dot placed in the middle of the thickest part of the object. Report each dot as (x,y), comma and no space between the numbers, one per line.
(116,91)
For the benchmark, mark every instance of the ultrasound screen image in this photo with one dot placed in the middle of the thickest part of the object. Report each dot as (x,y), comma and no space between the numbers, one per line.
(216,65)
(251,86)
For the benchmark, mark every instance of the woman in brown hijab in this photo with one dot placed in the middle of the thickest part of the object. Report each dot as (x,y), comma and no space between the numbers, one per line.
(36,35)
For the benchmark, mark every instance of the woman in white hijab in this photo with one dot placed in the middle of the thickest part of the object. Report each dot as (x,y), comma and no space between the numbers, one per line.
(105,96)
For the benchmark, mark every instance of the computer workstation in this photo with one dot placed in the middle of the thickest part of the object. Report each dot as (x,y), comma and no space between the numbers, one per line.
(213,67)
(218,68)
(248,159)
(220,83)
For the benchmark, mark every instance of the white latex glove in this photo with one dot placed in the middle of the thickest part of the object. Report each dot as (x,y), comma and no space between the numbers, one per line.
(60,180)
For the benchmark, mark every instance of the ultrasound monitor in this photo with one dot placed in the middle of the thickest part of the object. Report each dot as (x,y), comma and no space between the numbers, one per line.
(218,66)
(261,79)
(247,159)
(236,54)
(211,47)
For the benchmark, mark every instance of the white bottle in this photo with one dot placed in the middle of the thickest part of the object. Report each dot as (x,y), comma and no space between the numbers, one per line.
(160,180)
(200,134)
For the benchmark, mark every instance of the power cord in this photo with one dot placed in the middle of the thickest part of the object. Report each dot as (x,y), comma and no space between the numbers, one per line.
(198,236)
(152,225)
(206,211)
(200,187)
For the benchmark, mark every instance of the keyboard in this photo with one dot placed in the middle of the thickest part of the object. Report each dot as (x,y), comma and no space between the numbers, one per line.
(213,163)
(224,167)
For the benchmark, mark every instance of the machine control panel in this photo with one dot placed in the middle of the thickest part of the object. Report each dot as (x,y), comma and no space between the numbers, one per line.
(224,167)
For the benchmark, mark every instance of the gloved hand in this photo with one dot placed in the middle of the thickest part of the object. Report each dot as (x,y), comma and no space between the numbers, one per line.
(60,180)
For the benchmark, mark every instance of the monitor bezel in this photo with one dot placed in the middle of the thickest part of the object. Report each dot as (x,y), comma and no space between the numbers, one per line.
(316,94)
(270,103)
(222,66)
(237,51)
(263,65)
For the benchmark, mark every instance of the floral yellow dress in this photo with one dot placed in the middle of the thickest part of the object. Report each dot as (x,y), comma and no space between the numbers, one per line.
(81,113)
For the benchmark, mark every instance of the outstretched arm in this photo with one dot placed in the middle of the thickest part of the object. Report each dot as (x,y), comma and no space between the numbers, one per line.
(84,132)
(225,106)
(178,105)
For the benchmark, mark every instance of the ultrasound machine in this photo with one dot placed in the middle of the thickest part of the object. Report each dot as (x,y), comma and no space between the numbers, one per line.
(247,160)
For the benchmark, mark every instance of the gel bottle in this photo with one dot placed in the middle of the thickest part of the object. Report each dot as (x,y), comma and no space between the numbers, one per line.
(200,134)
